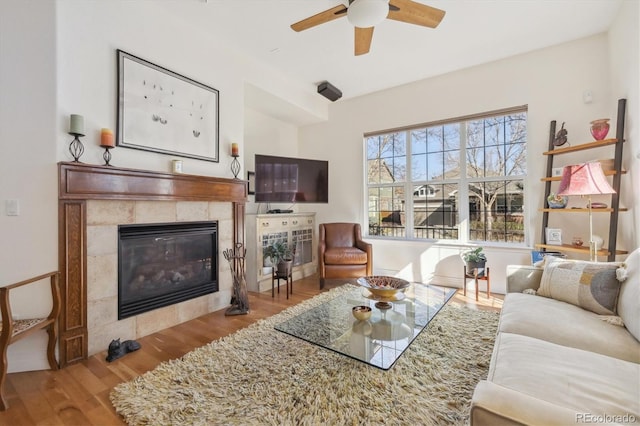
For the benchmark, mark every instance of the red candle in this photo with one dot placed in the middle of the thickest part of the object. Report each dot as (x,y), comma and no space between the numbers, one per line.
(234,150)
(106,138)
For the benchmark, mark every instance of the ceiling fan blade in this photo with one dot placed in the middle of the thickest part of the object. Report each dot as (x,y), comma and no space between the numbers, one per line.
(415,13)
(363,40)
(320,18)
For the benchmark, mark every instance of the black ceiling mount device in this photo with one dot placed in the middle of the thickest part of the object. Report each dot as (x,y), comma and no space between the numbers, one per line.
(329,91)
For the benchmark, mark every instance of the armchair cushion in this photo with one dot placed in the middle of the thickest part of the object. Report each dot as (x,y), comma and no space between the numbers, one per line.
(345,256)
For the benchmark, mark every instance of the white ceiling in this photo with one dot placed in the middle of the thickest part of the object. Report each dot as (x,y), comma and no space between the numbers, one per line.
(472,32)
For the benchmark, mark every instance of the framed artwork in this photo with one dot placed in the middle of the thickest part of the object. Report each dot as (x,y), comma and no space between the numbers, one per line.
(162,111)
(554,236)
(251,182)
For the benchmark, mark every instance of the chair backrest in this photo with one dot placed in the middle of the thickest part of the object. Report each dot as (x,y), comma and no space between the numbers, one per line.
(340,234)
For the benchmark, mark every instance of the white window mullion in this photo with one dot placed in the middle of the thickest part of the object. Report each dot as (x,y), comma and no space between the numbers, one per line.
(463,195)
(408,191)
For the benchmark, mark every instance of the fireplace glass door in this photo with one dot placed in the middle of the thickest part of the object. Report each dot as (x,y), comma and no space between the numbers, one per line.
(163,264)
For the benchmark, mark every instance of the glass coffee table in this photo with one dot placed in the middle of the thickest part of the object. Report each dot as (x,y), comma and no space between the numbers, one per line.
(378,341)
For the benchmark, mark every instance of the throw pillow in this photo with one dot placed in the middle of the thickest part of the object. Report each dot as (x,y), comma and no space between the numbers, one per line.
(590,285)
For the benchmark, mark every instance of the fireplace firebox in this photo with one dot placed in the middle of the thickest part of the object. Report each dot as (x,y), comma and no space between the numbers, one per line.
(163,264)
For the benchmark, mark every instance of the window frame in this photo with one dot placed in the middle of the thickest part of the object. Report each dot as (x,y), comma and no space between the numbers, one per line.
(463,181)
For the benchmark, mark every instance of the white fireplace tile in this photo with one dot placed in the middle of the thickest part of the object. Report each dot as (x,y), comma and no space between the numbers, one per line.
(102,240)
(102,313)
(225,233)
(220,300)
(192,211)
(102,276)
(193,308)
(219,210)
(100,338)
(156,320)
(155,211)
(109,212)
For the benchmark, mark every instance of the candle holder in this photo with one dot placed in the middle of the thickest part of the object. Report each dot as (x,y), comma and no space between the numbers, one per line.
(75,147)
(106,155)
(235,166)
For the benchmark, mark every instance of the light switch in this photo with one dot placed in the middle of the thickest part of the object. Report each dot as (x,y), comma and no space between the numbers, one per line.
(12,207)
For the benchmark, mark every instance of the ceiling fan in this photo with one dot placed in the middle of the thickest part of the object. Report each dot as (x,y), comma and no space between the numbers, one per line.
(365,14)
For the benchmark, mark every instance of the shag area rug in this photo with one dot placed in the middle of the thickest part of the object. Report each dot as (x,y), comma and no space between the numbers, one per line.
(259,375)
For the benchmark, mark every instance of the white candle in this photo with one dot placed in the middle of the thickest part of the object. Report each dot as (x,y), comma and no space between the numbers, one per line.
(76,124)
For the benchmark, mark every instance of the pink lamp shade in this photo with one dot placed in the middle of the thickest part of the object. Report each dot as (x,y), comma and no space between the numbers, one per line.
(584,179)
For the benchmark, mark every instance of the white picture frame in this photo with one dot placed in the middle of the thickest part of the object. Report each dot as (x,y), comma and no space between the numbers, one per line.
(554,236)
(165,112)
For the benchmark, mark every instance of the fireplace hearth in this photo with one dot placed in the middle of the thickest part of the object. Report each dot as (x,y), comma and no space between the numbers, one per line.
(163,264)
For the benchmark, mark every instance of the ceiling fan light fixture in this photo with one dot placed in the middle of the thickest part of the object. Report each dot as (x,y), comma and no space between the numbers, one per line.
(367,13)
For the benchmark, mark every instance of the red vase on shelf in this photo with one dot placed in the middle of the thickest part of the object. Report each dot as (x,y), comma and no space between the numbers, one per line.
(600,128)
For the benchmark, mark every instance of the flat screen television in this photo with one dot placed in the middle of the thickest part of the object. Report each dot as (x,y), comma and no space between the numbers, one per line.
(291,180)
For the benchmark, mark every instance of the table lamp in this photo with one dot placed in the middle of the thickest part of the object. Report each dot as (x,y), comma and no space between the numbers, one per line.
(585,179)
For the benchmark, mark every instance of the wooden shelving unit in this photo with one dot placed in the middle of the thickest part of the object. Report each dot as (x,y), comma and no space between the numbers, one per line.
(616,173)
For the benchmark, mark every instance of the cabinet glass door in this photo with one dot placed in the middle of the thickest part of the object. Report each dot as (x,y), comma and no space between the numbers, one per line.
(303,240)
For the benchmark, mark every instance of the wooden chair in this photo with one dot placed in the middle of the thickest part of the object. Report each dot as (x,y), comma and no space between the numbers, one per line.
(14,330)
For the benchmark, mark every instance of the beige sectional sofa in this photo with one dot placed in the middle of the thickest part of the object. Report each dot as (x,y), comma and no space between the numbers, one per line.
(557,363)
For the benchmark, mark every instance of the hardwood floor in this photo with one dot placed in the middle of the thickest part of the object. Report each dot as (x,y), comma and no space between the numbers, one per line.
(79,394)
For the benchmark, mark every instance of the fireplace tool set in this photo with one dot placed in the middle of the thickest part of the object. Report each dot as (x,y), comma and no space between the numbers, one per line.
(240,297)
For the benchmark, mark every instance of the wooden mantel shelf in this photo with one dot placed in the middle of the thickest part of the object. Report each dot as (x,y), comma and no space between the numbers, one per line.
(79,182)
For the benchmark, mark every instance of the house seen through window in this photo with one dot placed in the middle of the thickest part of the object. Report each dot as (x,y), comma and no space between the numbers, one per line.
(461,180)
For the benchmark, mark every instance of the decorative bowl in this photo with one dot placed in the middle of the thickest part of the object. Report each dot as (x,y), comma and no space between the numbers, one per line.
(557,201)
(382,286)
(361,312)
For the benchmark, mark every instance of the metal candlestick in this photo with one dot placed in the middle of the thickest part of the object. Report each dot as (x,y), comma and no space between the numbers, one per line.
(235,166)
(75,147)
(106,155)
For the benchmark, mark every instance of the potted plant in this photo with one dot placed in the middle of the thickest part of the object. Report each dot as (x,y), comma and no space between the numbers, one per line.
(475,258)
(281,256)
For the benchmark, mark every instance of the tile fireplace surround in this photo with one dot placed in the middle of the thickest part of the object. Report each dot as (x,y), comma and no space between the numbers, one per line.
(93,201)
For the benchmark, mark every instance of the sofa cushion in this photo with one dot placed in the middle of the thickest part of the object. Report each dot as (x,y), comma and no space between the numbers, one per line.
(629,300)
(583,381)
(590,285)
(567,325)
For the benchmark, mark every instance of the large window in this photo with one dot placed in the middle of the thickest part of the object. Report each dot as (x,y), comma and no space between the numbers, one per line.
(459,180)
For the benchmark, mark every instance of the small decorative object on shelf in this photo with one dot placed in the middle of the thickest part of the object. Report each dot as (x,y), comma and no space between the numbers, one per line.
(600,128)
(557,201)
(76,129)
(235,164)
(240,296)
(107,142)
(598,242)
(577,241)
(597,205)
(561,137)
(554,236)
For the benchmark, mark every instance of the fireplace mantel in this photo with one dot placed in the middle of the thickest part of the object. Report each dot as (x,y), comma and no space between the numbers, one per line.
(79,182)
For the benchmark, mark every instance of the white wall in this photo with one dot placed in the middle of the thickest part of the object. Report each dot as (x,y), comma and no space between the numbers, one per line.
(624,62)
(550,81)
(27,165)
(266,135)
